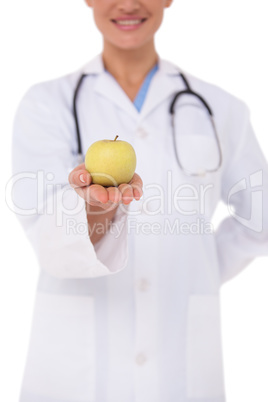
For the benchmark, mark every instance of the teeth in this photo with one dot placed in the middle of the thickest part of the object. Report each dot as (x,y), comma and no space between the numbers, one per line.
(128,22)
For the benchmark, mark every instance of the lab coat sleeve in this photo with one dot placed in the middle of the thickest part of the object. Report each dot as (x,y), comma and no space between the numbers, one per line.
(243,235)
(51,213)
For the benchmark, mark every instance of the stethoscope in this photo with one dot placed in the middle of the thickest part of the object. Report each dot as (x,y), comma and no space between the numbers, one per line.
(187,91)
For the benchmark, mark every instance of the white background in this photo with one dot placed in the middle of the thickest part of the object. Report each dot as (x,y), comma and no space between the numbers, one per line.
(224,42)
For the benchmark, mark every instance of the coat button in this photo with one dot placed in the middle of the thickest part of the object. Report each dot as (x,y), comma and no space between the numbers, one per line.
(143,285)
(141,133)
(141,359)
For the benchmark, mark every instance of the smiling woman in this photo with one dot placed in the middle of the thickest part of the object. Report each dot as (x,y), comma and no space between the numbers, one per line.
(128,30)
(132,312)
(141,20)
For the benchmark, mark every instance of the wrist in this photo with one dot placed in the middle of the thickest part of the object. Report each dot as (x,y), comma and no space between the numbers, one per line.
(99,210)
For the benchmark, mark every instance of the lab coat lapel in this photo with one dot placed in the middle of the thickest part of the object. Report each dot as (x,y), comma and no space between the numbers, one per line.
(108,87)
(161,87)
(166,82)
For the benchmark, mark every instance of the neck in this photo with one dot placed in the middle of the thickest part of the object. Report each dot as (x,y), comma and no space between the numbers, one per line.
(130,66)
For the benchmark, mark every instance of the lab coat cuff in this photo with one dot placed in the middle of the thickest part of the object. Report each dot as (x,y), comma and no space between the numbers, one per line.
(62,242)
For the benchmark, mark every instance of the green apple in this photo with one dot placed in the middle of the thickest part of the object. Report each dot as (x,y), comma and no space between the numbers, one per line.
(110,162)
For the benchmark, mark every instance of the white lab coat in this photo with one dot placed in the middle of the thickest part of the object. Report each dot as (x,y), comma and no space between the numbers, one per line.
(138,316)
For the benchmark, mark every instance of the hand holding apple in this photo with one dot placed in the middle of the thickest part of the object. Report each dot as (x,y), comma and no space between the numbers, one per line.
(123,185)
(110,162)
(104,197)
(102,202)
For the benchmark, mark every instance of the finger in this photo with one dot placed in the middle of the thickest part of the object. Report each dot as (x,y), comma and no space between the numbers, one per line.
(127,193)
(136,179)
(79,178)
(137,192)
(78,167)
(115,195)
(136,184)
(96,193)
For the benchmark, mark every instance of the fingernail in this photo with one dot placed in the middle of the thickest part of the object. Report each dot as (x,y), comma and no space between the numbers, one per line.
(81,177)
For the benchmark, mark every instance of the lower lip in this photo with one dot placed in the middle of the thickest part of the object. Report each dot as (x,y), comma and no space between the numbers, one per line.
(128,27)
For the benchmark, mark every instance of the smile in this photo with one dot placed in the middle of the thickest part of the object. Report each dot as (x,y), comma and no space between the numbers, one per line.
(129,22)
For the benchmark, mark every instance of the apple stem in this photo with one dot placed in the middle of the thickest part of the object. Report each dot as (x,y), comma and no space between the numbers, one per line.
(116,137)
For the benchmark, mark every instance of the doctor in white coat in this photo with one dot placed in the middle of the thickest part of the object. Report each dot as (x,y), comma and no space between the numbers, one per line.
(127,306)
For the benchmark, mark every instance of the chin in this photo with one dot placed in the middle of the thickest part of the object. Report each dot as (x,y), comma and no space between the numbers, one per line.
(129,44)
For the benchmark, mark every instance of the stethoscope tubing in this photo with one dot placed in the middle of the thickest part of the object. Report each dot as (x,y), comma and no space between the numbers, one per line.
(187,91)
(77,127)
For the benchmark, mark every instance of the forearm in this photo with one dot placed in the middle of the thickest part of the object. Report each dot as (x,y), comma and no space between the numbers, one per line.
(99,221)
